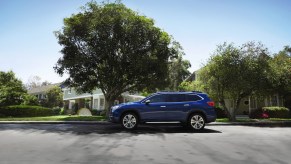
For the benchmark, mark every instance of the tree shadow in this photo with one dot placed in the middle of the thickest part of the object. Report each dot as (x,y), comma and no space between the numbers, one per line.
(105,128)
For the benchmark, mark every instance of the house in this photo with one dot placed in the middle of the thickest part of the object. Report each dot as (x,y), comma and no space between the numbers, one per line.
(249,103)
(40,92)
(94,101)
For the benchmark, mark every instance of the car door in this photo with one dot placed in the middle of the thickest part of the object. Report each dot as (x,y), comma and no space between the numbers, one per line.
(155,109)
(177,107)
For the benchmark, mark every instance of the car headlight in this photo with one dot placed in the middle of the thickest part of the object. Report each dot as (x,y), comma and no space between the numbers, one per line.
(115,107)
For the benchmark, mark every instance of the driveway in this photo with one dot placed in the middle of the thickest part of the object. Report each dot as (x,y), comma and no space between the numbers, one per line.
(109,143)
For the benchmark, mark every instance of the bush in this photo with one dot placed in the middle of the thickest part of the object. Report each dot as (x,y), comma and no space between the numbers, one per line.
(25,111)
(57,110)
(220,113)
(271,112)
(276,112)
(63,111)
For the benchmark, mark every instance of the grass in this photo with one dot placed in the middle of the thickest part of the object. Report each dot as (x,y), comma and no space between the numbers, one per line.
(253,120)
(55,118)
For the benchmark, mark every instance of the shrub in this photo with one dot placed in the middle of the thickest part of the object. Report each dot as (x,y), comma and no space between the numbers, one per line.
(220,113)
(271,112)
(56,110)
(25,111)
(256,113)
(63,111)
(276,112)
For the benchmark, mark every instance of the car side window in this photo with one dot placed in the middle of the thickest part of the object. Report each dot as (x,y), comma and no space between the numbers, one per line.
(177,98)
(158,98)
(193,98)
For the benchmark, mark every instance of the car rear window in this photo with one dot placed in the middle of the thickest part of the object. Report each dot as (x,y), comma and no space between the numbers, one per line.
(193,98)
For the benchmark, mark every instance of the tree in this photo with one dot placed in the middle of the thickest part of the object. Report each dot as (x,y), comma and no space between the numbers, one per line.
(178,68)
(33,82)
(113,48)
(281,71)
(54,97)
(237,72)
(30,100)
(11,89)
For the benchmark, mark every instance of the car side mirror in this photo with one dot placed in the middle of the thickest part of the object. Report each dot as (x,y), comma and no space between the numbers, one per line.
(147,102)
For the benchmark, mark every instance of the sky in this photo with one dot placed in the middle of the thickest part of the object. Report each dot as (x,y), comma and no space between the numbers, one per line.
(29,47)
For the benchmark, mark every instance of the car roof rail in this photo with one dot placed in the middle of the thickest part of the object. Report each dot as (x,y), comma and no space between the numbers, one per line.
(197,91)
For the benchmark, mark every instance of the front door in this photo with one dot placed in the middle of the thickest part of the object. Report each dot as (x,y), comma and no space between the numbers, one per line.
(155,109)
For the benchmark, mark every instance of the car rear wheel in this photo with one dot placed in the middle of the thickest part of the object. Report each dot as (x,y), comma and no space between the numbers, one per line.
(129,121)
(196,122)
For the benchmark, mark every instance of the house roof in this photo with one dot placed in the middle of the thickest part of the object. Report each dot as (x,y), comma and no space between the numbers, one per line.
(42,89)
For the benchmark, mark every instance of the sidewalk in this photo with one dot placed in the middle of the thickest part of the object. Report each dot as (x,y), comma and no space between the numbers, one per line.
(258,123)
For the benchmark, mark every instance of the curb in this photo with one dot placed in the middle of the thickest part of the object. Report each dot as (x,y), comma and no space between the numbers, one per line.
(258,124)
(56,122)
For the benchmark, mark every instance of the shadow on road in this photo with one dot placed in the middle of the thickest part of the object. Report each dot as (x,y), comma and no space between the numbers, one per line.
(81,129)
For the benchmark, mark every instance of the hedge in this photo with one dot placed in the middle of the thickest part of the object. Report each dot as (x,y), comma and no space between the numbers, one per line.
(270,112)
(25,111)
(276,112)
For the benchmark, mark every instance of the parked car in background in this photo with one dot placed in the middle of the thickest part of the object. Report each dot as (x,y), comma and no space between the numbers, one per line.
(192,109)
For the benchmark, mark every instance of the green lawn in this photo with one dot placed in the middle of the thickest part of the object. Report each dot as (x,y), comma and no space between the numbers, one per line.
(55,118)
(253,120)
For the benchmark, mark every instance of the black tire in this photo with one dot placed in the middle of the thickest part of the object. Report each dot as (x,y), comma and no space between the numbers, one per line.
(129,121)
(196,122)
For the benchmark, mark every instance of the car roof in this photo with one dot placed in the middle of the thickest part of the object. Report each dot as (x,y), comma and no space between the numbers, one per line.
(179,92)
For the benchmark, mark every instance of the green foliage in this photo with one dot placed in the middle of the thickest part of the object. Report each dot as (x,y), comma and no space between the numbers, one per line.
(25,111)
(276,112)
(54,98)
(113,48)
(192,86)
(63,111)
(236,72)
(11,89)
(57,110)
(272,112)
(281,71)
(29,100)
(178,68)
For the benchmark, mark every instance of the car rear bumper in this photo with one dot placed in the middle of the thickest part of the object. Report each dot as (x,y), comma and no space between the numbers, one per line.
(211,118)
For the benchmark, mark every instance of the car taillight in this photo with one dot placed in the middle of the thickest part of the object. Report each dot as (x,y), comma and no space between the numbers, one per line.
(210,103)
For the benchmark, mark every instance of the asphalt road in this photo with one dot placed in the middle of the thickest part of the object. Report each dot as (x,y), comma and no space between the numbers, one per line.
(107,143)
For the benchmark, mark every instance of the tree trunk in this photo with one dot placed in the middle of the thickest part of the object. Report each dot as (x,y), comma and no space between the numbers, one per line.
(108,104)
(233,112)
(222,102)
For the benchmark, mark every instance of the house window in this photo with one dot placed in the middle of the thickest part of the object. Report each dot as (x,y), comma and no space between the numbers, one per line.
(95,103)
(102,103)
(70,91)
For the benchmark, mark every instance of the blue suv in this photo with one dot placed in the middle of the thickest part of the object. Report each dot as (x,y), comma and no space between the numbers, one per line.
(192,109)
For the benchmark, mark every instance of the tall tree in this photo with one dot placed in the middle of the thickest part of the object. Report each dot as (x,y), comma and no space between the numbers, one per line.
(11,89)
(178,68)
(54,97)
(237,72)
(113,48)
(33,82)
(280,76)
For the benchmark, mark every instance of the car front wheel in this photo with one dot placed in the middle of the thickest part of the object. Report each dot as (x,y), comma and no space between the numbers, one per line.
(196,122)
(129,121)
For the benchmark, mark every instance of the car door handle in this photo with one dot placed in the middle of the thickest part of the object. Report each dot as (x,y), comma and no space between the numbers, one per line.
(163,106)
(186,105)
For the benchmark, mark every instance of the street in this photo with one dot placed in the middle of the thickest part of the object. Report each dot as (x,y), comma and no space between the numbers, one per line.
(109,143)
